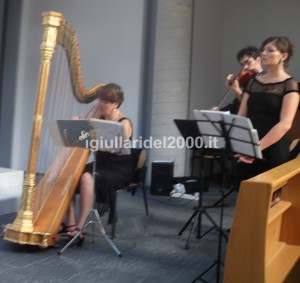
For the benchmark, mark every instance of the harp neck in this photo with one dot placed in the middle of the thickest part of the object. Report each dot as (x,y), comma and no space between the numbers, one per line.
(68,40)
(66,37)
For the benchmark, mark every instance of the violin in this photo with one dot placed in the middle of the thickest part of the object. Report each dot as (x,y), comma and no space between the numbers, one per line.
(243,77)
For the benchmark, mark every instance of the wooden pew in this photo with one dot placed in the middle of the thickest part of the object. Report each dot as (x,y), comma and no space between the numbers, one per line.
(264,243)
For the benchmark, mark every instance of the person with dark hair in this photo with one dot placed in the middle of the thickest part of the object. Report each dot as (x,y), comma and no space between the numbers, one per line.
(112,170)
(250,61)
(111,93)
(270,101)
(248,52)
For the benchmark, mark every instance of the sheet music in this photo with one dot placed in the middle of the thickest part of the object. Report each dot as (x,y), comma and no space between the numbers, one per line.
(243,138)
(106,135)
(207,129)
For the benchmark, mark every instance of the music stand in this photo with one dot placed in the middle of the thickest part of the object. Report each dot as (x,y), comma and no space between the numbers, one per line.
(237,136)
(189,130)
(81,133)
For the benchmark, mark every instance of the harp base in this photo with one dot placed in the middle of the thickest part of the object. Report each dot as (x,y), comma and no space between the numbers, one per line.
(43,240)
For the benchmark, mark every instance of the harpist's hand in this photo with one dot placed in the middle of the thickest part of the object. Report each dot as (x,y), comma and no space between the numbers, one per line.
(75,117)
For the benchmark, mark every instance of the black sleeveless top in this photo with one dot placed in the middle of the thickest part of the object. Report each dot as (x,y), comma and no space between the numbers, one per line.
(113,171)
(264,107)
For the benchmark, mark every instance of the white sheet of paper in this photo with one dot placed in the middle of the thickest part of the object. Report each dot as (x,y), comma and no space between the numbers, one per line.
(82,133)
(242,135)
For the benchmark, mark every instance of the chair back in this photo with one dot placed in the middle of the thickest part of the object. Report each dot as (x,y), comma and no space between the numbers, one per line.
(139,160)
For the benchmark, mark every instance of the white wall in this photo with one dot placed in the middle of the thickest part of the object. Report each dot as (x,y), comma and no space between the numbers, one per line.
(10,47)
(206,80)
(171,76)
(111,39)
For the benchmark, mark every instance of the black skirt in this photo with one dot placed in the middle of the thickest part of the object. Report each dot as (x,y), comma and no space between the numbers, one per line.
(113,172)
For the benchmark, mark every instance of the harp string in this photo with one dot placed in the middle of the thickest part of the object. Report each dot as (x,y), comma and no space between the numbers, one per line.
(48,148)
(60,104)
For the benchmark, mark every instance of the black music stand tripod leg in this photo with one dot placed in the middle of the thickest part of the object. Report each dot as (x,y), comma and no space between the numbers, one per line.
(218,262)
(195,221)
(196,218)
(188,222)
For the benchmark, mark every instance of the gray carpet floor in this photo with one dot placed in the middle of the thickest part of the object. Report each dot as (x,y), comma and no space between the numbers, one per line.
(152,250)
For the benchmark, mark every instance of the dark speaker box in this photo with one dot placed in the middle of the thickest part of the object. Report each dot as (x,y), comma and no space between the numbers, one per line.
(162,178)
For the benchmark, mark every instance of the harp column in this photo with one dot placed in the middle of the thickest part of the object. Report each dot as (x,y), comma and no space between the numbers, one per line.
(24,221)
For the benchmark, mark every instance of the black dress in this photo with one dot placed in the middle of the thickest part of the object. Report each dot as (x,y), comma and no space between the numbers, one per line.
(113,172)
(233,107)
(263,109)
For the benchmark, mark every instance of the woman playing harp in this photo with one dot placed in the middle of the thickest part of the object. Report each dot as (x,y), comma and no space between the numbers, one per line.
(113,171)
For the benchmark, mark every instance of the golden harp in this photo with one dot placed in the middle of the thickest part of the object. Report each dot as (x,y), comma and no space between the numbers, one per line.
(43,206)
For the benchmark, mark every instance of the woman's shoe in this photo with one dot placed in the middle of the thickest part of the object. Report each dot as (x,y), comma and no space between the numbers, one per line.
(73,231)
(64,229)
